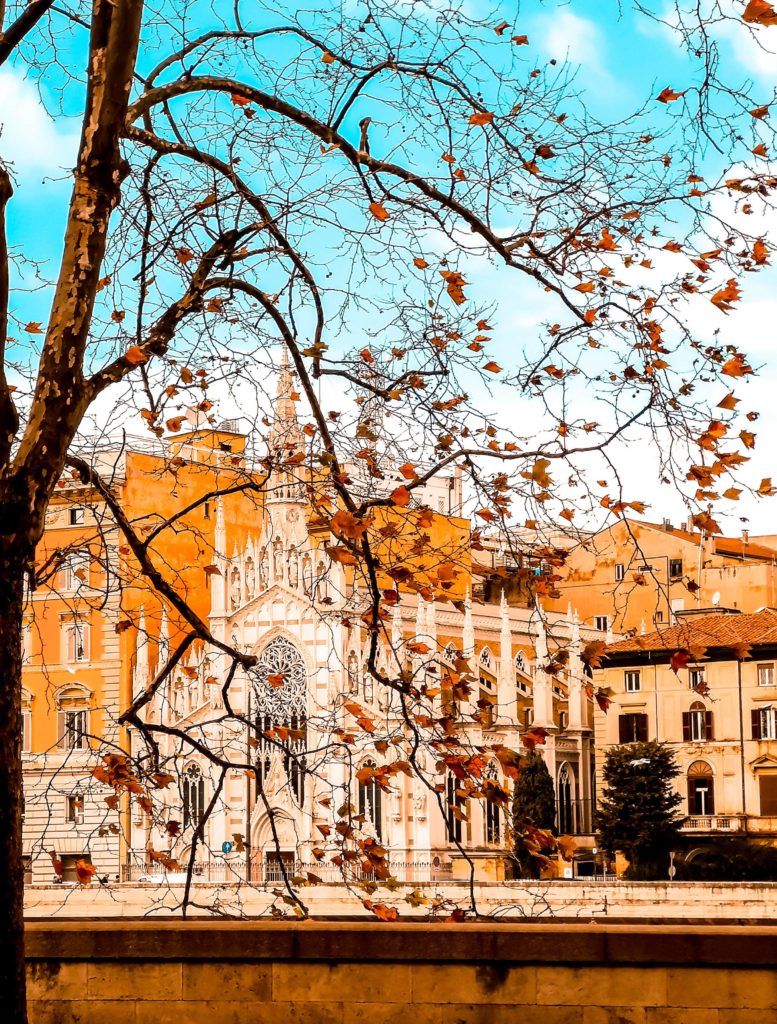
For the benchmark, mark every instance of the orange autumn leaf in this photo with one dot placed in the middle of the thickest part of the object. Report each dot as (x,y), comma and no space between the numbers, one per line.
(759,113)
(454,285)
(724,298)
(500,28)
(400,496)
(521,40)
(135,355)
(340,554)
(239,101)
(493,367)
(276,679)
(759,12)
(84,871)
(327,57)
(760,252)
(33,327)
(668,95)
(759,150)
(481,117)
(585,287)
(736,366)
(420,263)
(379,211)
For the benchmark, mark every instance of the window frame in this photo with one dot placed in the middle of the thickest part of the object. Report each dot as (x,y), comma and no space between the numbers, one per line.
(676,573)
(74,808)
(76,641)
(765,665)
(620,572)
(598,619)
(632,675)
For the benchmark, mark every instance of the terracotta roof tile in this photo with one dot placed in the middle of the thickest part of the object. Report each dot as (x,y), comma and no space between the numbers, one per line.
(713,630)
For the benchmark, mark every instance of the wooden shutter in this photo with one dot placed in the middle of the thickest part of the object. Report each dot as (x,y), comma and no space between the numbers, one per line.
(61,729)
(710,795)
(642,728)
(767,788)
(708,733)
(623,729)
(755,721)
(686,726)
(26,730)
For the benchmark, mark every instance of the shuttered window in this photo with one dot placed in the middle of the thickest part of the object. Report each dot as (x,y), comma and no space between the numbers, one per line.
(632,728)
(767,788)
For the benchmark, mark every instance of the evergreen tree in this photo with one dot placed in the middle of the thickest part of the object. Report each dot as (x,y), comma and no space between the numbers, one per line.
(637,811)
(534,804)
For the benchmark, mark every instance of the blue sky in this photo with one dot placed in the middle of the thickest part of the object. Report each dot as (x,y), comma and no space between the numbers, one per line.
(623,59)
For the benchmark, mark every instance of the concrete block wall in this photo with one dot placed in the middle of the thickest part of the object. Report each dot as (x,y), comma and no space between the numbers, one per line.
(204,972)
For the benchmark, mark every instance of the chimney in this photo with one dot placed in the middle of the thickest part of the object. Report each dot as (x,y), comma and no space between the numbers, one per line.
(667,525)
(745,536)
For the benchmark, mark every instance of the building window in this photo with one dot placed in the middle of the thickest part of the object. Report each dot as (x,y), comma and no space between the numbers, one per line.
(370,802)
(766,674)
(76,640)
(193,796)
(697,724)
(76,516)
(620,571)
(632,728)
(658,617)
(565,818)
(26,731)
(73,728)
(27,868)
(696,679)
(764,723)
(602,622)
(675,568)
(493,817)
(69,861)
(74,809)
(206,510)
(767,789)
(455,812)
(562,720)
(285,706)
(633,681)
(528,717)
(75,570)
(701,789)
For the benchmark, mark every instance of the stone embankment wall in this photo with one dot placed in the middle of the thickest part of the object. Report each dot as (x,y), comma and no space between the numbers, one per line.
(751,901)
(257,972)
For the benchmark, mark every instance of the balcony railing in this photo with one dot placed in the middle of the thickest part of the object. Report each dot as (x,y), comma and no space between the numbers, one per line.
(712,823)
(270,873)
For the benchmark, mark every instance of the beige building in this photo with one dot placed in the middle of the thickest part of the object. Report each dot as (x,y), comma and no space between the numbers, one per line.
(707,686)
(637,575)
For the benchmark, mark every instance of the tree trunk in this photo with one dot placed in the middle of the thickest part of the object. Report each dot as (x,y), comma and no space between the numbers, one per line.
(12,977)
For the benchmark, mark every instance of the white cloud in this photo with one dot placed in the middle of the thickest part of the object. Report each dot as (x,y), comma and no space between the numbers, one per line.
(30,139)
(567,37)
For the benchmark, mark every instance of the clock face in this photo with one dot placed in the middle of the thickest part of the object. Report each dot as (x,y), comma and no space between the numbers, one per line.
(292,515)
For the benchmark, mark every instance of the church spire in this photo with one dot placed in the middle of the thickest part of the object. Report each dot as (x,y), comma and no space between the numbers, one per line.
(285,433)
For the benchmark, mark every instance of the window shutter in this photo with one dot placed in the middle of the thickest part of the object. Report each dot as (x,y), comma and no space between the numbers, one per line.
(85,642)
(61,729)
(691,796)
(755,721)
(708,734)
(686,726)
(711,797)
(642,728)
(767,787)
(623,729)
(26,730)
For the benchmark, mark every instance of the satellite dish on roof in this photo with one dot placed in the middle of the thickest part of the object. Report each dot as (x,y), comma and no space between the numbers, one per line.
(716,599)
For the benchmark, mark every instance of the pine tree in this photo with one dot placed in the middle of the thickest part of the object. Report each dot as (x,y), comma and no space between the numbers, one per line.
(637,811)
(534,803)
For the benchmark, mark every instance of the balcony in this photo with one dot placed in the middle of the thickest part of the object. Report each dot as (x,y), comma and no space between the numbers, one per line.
(712,823)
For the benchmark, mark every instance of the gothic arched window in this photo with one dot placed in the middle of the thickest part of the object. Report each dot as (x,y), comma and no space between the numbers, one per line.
(370,803)
(193,787)
(454,810)
(493,815)
(485,657)
(565,816)
(369,683)
(280,687)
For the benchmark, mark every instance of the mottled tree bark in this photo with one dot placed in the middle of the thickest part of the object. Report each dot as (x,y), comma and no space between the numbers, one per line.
(12,980)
